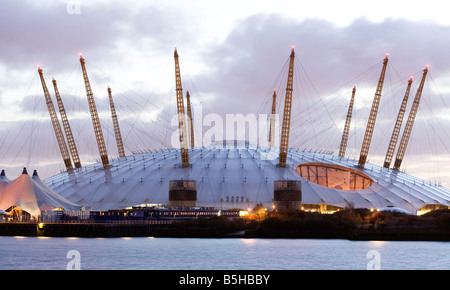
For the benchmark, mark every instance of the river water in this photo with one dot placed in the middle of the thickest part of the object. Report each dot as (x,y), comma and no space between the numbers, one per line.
(30,253)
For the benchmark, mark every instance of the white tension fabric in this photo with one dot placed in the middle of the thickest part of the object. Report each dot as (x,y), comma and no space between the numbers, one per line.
(240,176)
(31,194)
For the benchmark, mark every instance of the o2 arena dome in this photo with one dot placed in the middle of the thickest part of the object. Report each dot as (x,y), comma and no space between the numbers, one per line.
(241,176)
(237,174)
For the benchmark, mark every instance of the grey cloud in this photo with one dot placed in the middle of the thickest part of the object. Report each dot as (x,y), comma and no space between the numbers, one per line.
(46,34)
(246,64)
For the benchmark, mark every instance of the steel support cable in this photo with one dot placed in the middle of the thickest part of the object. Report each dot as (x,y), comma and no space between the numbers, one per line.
(147,100)
(30,141)
(196,97)
(252,129)
(319,96)
(280,85)
(434,115)
(267,108)
(193,88)
(394,91)
(136,123)
(137,126)
(80,129)
(275,85)
(364,83)
(146,103)
(315,109)
(320,105)
(12,122)
(308,111)
(433,149)
(137,116)
(73,105)
(139,132)
(432,144)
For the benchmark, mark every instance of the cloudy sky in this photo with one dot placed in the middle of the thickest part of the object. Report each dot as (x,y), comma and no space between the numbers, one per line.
(233,54)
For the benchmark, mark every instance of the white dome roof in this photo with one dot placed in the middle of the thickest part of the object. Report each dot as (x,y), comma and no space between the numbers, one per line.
(240,172)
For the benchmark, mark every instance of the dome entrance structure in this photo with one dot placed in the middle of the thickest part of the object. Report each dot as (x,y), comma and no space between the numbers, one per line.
(334,176)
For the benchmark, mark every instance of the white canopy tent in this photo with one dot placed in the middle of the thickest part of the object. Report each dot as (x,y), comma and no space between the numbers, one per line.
(31,195)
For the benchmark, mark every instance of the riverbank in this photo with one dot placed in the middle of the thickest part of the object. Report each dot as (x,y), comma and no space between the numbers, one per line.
(86,230)
(349,224)
(81,230)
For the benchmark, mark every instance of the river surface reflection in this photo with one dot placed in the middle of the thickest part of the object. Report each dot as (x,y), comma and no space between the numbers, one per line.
(28,253)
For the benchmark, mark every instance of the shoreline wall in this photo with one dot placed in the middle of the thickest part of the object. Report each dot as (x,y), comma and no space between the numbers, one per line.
(162,229)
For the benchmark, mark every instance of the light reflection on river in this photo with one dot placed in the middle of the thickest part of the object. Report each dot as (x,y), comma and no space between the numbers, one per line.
(219,254)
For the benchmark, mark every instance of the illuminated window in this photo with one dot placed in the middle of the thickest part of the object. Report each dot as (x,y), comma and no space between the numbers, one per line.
(334,176)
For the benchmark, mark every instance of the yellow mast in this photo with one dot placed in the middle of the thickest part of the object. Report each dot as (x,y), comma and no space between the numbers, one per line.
(190,121)
(67,129)
(181,115)
(94,116)
(284,144)
(116,125)
(55,122)
(409,124)
(372,117)
(348,121)
(272,120)
(397,127)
